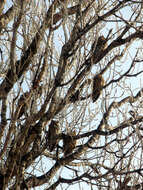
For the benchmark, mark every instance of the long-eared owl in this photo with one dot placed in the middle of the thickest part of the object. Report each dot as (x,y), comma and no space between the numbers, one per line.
(98,83)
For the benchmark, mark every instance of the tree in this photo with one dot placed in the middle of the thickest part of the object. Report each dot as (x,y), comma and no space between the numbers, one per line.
(50,54)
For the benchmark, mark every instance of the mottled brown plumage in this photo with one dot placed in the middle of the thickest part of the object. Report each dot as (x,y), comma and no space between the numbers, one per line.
(98,83)
(101,41)
(69,143)
(100,45)
(22,104)
(52,133)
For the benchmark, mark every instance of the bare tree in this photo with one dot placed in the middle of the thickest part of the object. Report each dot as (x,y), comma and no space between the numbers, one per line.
(71,94)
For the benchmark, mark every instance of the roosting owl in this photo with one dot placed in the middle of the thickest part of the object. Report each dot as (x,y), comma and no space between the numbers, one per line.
(100,45)
(52,133)
(98,83)
(69,143)
(101,42)
(23,103)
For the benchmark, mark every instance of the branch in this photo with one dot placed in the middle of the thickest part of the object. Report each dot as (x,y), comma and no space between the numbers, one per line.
(2,3)
(24,62)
